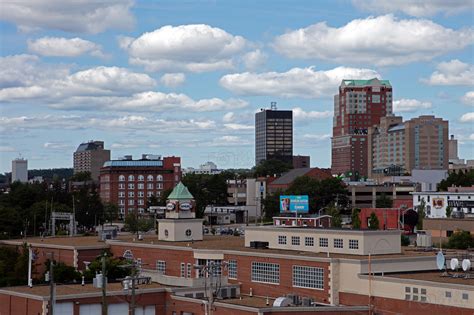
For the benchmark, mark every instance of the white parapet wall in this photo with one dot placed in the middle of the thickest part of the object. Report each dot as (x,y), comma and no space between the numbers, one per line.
(337,241)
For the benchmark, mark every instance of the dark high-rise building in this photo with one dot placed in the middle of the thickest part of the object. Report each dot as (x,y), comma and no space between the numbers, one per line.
(359,105)
(90,157)
(274,135)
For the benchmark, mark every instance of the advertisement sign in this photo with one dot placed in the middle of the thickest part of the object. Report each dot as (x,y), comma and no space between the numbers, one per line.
(438,203)
(294,204)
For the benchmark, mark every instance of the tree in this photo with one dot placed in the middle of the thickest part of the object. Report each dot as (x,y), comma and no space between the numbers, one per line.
(336,220)
(373,221)
(404,240)
(63,273)
(81,177)
(134,224)
(383,201)
(271,168)
(8,258)
(421,214)
(356,218)
(164,197)
(271,204)
(113,267)
(461,240)
(10,222)
(463,179)
(449,211)
(110,213)
(152,201)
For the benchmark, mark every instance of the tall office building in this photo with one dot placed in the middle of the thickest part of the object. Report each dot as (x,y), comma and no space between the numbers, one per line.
(397,147)
(359,105)
(274,135)
(90,157)
(20,170)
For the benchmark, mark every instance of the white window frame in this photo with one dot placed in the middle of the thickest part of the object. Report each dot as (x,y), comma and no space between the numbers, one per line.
(264,272)
(149,178)
(353,244)
(232,269)
(189,271)
(282,239)
(131,178)
(295,240)
(183,270)
(309,241)
(121,178)
(161,267)
(141,178)
(338,243)
(308,277)
(323,242)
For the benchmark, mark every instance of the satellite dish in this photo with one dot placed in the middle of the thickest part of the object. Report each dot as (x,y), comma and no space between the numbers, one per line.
(440,260)
(454,264)
(466,265)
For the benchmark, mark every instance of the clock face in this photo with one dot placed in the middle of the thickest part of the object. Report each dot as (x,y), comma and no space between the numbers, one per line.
(170,206)
(188,232)
(185,206)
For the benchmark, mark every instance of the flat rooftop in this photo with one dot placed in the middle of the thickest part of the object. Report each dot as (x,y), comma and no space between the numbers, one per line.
(435,276)
(76,241)
(72,289)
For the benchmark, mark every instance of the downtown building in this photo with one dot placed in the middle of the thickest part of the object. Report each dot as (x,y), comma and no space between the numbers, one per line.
(274,135)
(396,147)
(89,157)
(359,105)
(129,183)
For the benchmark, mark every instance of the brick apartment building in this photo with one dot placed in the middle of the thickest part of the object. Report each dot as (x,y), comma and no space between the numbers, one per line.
(359,105)
(129,183)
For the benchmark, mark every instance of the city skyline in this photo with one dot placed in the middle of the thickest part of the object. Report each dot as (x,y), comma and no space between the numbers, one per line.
(187,78)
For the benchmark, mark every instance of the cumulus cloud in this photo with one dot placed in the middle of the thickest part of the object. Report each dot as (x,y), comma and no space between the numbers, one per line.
(236,126)
(64,47)
(254,59)
(409,105)
(468,98)
(228,117)
(80,16)
(317,137)
(195,48)
(383,40)
(57,146)
(173,79)
(300,114)
(225,141)
(467,118)
(414,7)
(454,72)
(296,82)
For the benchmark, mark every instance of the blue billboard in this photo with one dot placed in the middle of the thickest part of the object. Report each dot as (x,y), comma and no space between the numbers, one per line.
(294,204)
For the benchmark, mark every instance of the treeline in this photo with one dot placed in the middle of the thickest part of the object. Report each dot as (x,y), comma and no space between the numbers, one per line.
(47,174)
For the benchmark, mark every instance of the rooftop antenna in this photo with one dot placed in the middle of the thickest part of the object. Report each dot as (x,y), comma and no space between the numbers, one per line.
(441,262)
(466,267)
(454,265)
(273,105)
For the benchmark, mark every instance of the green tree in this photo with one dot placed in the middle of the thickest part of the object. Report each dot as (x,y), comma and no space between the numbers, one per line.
(81,177)
(461,240)
(449,211)
(356,218)
(164,197)
(336,220)
(10,222)
(152,201)
(135,224)
(113,267)
(8,258)
(405,240)
(110,213)
(271,205)
(89,208)
(460,178)
(421,214)
(63,273)
(383,201)
(373,221)
(271,168)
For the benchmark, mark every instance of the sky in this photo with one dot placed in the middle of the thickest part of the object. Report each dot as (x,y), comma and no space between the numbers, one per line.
(185,78)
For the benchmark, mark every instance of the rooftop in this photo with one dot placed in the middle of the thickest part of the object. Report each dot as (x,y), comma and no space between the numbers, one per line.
(373,81)
(137,163)
(180,192)
(434,276)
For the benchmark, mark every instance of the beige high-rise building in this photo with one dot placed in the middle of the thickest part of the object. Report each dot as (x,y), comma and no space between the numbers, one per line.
(397,147)
(90,157)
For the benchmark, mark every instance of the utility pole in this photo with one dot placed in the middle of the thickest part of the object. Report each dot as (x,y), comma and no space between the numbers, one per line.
(30,259)
(104,287)
(132,304)
(51,286)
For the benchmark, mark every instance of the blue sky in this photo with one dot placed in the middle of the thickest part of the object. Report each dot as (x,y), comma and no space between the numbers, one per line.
(185,78)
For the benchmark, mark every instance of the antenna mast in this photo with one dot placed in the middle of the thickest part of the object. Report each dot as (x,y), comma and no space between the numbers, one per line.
(273,105)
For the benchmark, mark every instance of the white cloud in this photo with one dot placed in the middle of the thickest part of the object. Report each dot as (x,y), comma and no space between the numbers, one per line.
(228,117)
(452,72)
(235,126)
(317,137)
(415,7)
(64,47)
(382,40)
(468,98)
(409,105)
(254,59)
(467,118)
(299,114)
(173,79)
(81,16)
(195,48)
(57,146)
(128,145)
(296,82)
(232,141)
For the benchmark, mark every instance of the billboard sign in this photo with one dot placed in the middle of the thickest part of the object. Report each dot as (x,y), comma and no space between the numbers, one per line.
(294,204)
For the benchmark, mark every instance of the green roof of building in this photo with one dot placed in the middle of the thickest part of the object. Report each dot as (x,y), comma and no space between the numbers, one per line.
(366,82)
(180,192)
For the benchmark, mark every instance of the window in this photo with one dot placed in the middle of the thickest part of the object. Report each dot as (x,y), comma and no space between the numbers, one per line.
(323,242)
(141,186)
(189,271)
(141,194)
(232,269)
(448,294)
(131,202)
(159,178)
(338,243)
(141,178)
(295,240)
(121,194)
(282,239)
(149,194)
(161,266)
(465,296)
(149,185)
(121,201)
(353,244)
(122,186)
(183,270)
(131,186)
(128,254)
(121,178)
(131,194)
(309,241)
(159,185)
(265,272)
(141,202)
(149,178)
(308,277)
(131,178)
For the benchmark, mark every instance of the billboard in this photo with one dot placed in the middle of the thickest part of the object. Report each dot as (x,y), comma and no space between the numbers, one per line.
(294,204)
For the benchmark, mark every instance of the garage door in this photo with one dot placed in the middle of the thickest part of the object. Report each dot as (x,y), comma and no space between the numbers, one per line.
(118,309)
(90,309)
(145,310)
(63,309)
